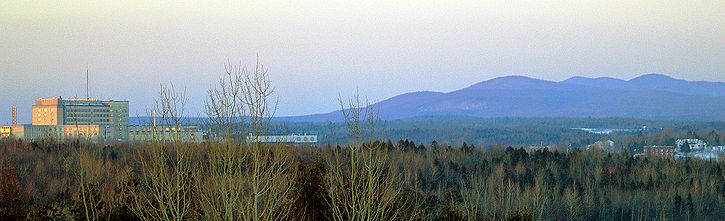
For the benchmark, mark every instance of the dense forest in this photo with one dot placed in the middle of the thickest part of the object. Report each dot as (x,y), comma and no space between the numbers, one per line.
(71,181)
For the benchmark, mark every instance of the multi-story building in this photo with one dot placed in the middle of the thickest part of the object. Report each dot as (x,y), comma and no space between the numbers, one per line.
(660,151)
(92,118)
(111,116)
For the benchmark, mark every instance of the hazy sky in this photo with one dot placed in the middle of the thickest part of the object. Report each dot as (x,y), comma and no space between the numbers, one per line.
(316,50)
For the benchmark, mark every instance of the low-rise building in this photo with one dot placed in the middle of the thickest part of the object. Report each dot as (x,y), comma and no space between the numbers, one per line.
(5,131)
(534,148)
(603,145)
(705,155)
(182,133)
(660,151)
(58,132)
(292,138)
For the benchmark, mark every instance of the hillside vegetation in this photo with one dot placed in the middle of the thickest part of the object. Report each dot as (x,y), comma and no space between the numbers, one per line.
(72,181)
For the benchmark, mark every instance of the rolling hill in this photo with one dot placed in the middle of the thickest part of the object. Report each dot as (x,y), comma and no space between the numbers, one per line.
(650,96)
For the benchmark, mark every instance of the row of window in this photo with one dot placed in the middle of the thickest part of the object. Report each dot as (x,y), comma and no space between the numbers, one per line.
(74,110)
(157,129)
(88,115)
(148,133)
(40,119)
(72,120)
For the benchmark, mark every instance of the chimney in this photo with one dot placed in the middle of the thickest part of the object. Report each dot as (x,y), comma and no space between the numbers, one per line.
(15,116)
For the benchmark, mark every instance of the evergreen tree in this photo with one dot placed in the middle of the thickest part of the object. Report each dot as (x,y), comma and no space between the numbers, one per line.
(12,197)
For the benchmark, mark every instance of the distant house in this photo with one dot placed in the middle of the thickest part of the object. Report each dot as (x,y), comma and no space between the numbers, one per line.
(693,144)
(534,148)
(660,151)
(718,148)
(705,155)
(603,145)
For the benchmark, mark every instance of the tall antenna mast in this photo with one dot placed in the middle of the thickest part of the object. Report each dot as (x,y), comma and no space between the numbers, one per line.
(87,95)
(154,135)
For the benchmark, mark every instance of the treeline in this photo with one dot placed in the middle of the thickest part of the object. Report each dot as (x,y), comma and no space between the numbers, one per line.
(509,131)
(51,181)
(489,131)
(668,137)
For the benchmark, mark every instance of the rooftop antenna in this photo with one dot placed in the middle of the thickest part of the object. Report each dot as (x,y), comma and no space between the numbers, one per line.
(87,95)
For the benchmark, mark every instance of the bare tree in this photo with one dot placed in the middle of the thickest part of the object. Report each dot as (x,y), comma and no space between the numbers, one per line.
(224,172)
(224,108)
(268,182)
(165,188)
(361,188)
(246,180)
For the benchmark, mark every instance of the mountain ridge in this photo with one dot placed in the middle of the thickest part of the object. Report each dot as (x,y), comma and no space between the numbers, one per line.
(649,96)
(653,81)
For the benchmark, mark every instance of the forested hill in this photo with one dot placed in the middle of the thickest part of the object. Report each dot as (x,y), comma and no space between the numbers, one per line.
(651,96)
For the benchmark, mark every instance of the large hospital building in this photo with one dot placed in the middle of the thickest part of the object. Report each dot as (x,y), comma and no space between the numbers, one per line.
(90,118)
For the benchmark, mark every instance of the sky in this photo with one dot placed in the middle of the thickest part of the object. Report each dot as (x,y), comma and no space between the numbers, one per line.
(316,51)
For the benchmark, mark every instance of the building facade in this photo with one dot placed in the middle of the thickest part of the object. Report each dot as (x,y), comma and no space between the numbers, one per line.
(5,131)
(292,138)
(87,118)
(660,151)
(603,145)
(111,116)
(183,133)
(692,144)
(59,132)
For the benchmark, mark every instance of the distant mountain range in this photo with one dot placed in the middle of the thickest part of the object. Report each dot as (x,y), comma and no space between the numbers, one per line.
(650,96)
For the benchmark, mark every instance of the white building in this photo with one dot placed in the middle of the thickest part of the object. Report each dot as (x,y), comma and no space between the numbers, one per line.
(604,145)
(694,144)
(292,138)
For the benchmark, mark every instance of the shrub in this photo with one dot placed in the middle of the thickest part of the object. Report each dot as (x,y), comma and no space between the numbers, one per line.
(309,191)
(13,201)
(520,215)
